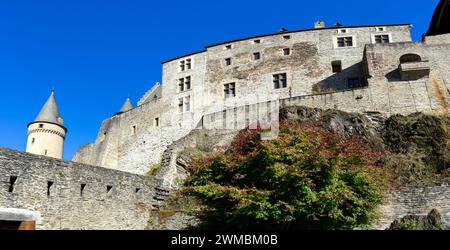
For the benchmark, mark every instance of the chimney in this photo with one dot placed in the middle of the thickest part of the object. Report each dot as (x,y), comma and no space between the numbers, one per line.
(319,25)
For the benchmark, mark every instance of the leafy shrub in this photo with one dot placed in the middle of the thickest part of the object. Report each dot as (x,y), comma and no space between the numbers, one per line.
(309,178)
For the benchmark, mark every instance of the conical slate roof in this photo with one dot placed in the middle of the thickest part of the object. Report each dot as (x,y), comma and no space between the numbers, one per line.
(49,112)
(126,106)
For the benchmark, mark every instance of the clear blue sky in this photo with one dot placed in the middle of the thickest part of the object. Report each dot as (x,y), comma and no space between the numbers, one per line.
(96,53)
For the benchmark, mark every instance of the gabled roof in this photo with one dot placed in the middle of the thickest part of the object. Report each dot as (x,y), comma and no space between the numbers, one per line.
(50,112)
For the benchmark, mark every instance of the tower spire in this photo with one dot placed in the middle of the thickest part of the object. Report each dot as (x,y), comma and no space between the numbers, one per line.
(49,112)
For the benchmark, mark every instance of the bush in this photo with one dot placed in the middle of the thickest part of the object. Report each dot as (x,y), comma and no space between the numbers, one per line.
(308,178)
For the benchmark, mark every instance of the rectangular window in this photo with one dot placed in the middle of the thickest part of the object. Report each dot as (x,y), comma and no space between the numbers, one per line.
(157,122)
(187,83)
(182,66)
(353,83)
(336,66)
(345,41)
(185,64)
(230,90)
(228,61)
(188,64)
(181,85)
(187,103)
(382,39)
(256,56)
(180,105)
(286,51)
(280,81)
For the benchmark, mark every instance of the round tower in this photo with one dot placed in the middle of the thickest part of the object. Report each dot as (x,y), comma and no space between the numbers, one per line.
(46,133)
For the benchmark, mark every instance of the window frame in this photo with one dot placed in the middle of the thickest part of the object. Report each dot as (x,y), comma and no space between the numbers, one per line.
(336,41)
(230,88)
(373,37)
(278,81)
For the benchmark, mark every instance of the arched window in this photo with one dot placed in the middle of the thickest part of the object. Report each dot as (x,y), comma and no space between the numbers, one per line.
(410,58)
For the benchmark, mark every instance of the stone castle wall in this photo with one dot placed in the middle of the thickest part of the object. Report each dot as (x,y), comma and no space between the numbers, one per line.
(419,200)
(110,199)
(131,141)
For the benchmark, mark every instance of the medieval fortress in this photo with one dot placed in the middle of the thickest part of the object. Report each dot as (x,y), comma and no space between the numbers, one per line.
(227,86)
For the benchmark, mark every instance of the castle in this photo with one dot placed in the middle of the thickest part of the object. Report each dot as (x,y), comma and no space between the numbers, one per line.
(227,86)
(373,68)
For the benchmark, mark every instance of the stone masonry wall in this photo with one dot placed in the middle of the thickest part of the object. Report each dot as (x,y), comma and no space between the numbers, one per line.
(419,200)
(125,204)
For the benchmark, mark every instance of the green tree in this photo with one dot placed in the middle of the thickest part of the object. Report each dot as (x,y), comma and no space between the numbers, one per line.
(308,178)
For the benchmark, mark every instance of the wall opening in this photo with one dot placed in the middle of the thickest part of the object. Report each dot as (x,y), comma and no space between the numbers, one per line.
(137,190)
(157,122)
(49,186)
(12,181)
(134,130)
(33,140)
(408,58)
(108,188)
(336,66)
(82,189)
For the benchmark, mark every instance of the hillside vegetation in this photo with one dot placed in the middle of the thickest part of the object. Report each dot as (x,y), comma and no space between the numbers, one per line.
(327,170)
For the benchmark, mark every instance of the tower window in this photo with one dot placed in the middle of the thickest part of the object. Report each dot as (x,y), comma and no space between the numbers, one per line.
(157,122)
(187,103)
(230,90)
(286,51)
(279,81)
(41,125)
(336,66)
(185,64)
(33,140)
(45,151)
(180,105)
(134,130)
(49,186)
(227,61)
(256,56)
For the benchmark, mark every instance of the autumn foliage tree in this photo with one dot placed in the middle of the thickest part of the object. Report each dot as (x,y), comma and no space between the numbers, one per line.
(308,178)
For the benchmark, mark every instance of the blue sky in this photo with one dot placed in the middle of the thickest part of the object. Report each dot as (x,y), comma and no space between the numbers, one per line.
(97,53)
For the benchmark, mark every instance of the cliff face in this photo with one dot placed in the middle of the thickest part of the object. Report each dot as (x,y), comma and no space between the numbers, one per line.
(416,149)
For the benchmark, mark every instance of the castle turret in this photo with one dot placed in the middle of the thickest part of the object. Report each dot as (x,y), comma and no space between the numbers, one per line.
(46,133)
